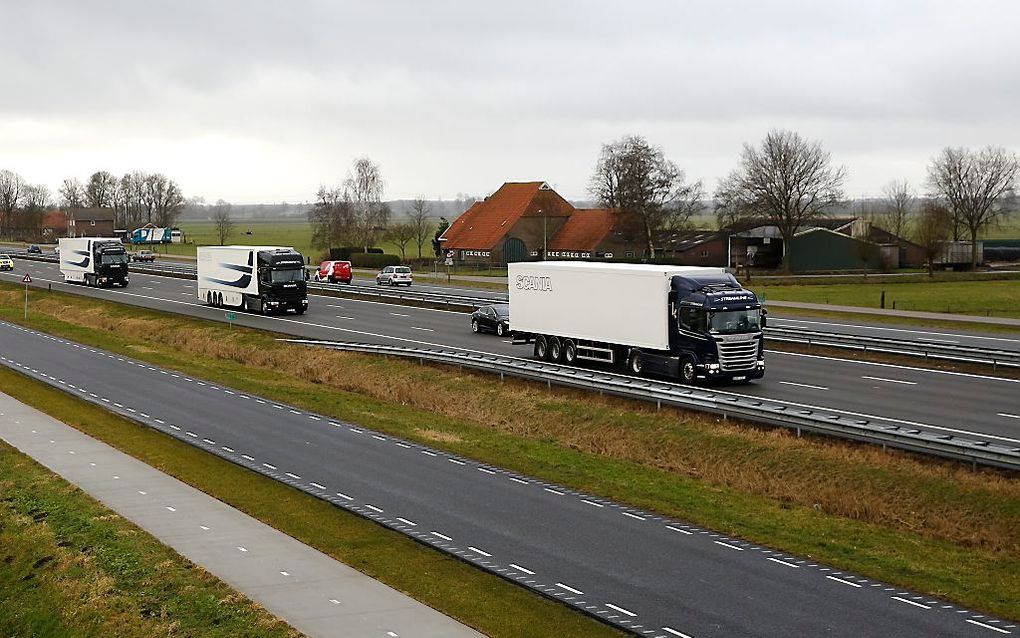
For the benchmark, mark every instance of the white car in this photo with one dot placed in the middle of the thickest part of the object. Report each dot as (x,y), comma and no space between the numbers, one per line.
(394,276)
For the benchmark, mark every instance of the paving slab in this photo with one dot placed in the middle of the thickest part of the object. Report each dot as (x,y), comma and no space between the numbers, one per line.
(311,591)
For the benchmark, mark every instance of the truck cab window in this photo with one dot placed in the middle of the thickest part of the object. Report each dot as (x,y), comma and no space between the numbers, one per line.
(693,319)
(288,275)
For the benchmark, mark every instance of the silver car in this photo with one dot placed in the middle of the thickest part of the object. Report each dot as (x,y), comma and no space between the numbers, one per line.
(394,276)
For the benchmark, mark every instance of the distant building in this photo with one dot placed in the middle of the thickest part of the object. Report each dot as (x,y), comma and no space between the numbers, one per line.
(90,222)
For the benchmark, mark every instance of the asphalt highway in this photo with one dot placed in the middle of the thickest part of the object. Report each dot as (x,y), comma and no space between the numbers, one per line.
(646,574)
(979,407)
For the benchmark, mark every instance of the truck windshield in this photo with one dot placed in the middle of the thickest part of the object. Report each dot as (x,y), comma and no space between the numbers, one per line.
(116,258)
(284,276)
(733,321)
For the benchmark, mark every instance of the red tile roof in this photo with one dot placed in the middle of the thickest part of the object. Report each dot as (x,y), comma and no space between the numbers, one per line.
(585,229)
(482,226)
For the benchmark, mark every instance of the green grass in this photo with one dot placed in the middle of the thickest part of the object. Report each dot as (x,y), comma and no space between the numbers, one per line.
(929,525)
(986,298)
(71,567)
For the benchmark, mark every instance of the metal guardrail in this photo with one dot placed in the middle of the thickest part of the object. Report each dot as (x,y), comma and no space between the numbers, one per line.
(924,349)
(800,418)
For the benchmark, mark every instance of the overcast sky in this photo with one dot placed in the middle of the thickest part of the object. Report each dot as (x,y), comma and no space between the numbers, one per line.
(263,101)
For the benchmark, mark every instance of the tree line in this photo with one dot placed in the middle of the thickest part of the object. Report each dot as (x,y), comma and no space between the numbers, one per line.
(136,198)
(789,181)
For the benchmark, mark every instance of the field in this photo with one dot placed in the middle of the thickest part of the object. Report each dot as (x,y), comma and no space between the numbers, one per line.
(932,525)
(1000,298)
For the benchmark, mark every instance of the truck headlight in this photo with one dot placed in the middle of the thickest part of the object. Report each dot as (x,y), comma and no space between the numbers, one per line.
(713,366)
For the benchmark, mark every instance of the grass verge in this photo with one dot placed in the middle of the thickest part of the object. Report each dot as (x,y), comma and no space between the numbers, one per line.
(71,567)
(929,525)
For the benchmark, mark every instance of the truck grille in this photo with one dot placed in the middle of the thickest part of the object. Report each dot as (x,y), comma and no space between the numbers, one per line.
(738,355)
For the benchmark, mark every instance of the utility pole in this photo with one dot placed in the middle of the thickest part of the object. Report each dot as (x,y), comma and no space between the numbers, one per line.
(545,234)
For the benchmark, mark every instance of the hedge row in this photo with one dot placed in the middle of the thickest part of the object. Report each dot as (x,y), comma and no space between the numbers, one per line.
(374,260)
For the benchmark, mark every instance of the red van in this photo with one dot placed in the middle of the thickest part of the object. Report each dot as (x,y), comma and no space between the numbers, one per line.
(334,272)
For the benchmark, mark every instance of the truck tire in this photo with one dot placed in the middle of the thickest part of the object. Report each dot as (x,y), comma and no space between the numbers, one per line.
(299,310)
(555,350)
(266,310)
(569,352)
(474,325)
(123,284)
(500,330)
(634,363)
(541,347)
(688,373)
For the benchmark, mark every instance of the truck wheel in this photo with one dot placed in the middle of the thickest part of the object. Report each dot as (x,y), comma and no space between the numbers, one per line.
(123,284)
(474,325)
(634,363)
(555,350)
(687,370)
(541,347)
(299,310)
(569,353)
(266,310)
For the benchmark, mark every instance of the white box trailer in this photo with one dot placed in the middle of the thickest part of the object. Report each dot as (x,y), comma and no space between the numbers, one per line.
(686,321)
(266,279)
(93,261)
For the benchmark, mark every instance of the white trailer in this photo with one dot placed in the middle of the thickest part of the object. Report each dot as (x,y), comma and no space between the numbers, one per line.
(266,279)
(686,321)
(93,261)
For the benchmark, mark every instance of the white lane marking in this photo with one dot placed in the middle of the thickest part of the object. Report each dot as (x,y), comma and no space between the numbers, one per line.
(344,496)
(243,549)
(640,518)
(910,602)
(142,493)
(1009,416)
(294,412)
(334,601)
(584,500)
(889,380)
(478,551)
(314,484)
(783,562)
(570,589)
(403,445)
(457,461)
(355,430)
(517,480)
(556,492)
(209,441)
(347,318)
(191,434)
(442,536)
(170,509)
(840,580)
(378,438)
(677,529)
(272,467)
(285,573)
(314,418)
(422,329)
(397,314)
(204,528)
(939,340)
(804,385)
(335,306)
(429,453)
(293,476)
(225,448)
(486,470)
(407,522)
(739,549)
(981,624)
(249,458)
(522,569)
(983,377)
(670,630)
(373,508)
(621,610)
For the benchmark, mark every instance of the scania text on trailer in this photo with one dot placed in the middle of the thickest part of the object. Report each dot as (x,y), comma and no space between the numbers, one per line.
(679,321)
(264,279)
(93,261)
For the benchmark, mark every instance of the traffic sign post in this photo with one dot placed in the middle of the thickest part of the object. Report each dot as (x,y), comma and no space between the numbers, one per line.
(231,318)
(27,279)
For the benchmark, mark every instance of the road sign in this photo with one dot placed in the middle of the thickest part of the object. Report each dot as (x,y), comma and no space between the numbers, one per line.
(449,261)
(231,316)
(27,279)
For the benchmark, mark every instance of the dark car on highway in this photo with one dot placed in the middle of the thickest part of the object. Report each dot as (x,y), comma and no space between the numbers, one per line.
(494,318)
(35,249)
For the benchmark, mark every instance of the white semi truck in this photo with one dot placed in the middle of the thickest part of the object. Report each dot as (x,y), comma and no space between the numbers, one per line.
(686,322)
(93,261)
(264,279)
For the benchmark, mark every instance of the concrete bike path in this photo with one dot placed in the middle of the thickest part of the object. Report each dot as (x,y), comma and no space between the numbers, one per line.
(314,593)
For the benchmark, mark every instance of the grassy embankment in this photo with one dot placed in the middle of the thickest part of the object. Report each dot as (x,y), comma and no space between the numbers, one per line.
(71,567)
(934,526)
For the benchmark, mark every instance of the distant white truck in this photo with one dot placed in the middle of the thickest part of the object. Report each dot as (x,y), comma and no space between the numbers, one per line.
(680,321)
(93,261)
(264,279)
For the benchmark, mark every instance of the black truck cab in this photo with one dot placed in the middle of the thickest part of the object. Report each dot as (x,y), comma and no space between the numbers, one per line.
(281,280)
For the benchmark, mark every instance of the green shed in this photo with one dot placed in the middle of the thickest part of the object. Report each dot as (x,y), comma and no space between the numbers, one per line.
(824,249)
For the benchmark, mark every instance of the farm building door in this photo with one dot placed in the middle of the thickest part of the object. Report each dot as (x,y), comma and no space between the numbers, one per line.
(514,250)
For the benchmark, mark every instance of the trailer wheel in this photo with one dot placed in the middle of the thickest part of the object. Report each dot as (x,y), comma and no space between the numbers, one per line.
(555,350)
(208,297)
(541,347)
(687,370)
(569,353)
(634,363)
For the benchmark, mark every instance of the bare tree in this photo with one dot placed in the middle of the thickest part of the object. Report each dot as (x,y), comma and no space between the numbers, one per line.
(401,235)
(130,202)
(899,202)
(11,187)
(332,219)
(101,190)
(363,188)
(934,226)
(72,193)
(35,200)
(163,199)
(420,222)
(221,217)
(788,181)
(979,187)
(636,178)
